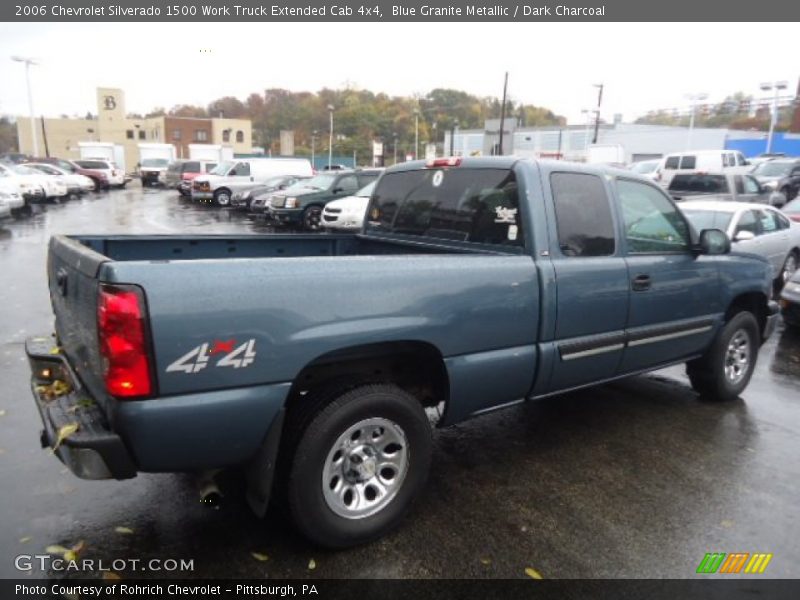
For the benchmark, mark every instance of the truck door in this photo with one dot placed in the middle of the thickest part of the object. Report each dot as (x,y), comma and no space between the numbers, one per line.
(674,301)
(591,279)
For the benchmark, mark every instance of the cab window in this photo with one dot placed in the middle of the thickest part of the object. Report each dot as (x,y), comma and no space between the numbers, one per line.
(652,223)
(583,215)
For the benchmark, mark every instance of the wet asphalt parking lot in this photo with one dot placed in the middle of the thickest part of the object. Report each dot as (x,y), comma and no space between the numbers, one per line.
(635,479)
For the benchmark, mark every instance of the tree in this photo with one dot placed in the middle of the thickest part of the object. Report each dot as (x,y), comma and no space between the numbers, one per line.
(187,110)
(8,135)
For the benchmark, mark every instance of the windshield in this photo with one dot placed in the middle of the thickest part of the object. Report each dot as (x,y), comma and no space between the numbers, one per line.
(222,168)
(366,191)
(643,167)
(155,162)
(708,219)
(318,182)
(772,168)
(793,206)
(20,170)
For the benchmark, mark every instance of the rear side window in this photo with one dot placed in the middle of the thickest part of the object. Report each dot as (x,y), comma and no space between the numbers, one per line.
(92,164)
(672,162)
(689,162)
(583,215)
(191,167)
(748,222)
(242,169)
(209,167)
(468,205)
(699,184)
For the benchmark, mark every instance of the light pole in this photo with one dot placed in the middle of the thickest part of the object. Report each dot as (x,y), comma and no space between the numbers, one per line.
(766,87)
(693,98)
(394,160)
(28,62)
(416,134)
(599,87)
(330,137)
(588,114)
(313,156)
(453,135)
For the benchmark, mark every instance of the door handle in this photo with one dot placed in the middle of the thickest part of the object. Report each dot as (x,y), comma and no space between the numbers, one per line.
(640,283)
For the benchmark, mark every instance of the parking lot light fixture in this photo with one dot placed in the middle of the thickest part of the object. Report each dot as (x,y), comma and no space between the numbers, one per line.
(28,62)
(694,99)
(766,87)
(330,137)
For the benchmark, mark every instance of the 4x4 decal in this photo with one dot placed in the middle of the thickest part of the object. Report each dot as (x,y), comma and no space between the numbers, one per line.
(199,357)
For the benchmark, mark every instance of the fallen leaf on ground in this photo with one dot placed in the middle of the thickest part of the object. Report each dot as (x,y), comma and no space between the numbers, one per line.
(533,573)
(486,561)
(25,540)
(727,524)
(259,556)
(312,565)
(65,553)
(64,432)
(126,530)
(111,576)
(2,413)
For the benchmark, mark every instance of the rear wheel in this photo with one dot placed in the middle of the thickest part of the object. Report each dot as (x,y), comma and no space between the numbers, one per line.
(357,465)
(725,370)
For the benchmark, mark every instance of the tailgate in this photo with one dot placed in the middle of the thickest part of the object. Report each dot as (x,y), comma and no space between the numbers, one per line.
(72,278)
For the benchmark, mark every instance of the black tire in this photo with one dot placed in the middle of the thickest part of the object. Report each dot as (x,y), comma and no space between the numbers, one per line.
(708,374)
(222,197)
(793,258)
(310,447)
(312,218)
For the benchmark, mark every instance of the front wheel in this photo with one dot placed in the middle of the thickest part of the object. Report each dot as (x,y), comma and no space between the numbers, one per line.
(725,370)
(358,465)
(789,267)
(312,218)
(222,198)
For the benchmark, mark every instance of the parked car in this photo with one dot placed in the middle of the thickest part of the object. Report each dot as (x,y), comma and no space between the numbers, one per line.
(701,160)
(301,205)
(76,184)
(31,187)
(5,207)
(10,196)
(258,194)
(55,188)
(792,210)
(722,186)
(753,228)
(180,173)
(231,176)
(116,177)
(790,301)
(647,168)
(476,284)
(779,175)
(348,213)
(99,178)
(13,158)
(151,169)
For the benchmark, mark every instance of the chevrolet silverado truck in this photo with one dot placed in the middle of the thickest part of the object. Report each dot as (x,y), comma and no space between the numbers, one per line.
(730,187)
(475,284)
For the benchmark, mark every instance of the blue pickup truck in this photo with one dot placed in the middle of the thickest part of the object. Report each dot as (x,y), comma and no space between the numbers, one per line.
(475,284)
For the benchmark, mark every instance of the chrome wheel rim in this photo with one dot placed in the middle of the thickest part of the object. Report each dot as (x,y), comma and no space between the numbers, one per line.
(737,357)
(223,199)
(365,468)
(789,267)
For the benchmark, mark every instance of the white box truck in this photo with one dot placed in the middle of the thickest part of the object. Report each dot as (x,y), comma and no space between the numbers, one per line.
(153,161)
(606,154)
(213,152)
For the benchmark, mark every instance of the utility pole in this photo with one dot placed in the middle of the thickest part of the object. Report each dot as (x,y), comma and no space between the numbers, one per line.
(453,135)
(503,115)
(599,87)
(313,140)
(416,133)
(330,137)
(28,62)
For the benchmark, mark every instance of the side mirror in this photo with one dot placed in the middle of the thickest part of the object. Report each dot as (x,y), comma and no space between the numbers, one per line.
(744,236)
(336,190)
(777,199)
(714,242)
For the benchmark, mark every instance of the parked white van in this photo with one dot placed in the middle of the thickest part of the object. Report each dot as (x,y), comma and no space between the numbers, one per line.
(230,176)
(700,160)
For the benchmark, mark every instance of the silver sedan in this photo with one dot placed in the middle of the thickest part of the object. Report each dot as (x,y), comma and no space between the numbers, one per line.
(753,228)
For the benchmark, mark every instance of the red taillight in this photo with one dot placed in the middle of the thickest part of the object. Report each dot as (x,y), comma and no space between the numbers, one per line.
(450,161)
(123,346)
(795,217)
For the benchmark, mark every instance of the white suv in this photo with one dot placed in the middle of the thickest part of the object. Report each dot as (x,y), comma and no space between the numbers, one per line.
(116,176)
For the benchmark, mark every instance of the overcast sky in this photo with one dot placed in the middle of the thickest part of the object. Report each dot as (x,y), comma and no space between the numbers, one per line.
(643,66)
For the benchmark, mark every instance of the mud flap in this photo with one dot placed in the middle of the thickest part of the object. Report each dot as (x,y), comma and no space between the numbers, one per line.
(260,472)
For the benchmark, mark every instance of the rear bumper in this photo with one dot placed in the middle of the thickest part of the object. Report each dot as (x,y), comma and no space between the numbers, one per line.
(286,216)
(93,451)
